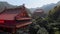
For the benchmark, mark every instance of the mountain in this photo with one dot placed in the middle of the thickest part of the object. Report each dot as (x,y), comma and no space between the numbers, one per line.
(47,7)
(58,3)
(4,5)
(32,9)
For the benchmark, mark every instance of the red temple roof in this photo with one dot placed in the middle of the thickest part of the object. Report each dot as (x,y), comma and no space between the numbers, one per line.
(7,16)
(10,14)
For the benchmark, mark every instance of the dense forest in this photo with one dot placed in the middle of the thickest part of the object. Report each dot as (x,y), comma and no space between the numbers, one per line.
(47,25)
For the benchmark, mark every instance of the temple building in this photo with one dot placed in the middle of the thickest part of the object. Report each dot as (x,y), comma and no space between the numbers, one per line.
(14,18)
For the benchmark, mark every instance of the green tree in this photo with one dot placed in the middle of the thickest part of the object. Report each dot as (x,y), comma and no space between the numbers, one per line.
(54,14)
(53,18)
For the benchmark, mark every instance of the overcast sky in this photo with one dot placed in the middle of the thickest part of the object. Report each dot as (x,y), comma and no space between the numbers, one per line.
(31,3)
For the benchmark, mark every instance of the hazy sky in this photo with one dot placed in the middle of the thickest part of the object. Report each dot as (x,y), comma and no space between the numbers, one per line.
(31,3)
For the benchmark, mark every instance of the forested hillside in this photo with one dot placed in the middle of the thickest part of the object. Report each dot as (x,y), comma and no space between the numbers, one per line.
(48,25)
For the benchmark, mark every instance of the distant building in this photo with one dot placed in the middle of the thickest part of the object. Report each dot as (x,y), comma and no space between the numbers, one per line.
(38,12)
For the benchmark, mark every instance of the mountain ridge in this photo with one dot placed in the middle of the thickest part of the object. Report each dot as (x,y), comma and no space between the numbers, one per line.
(47,7)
